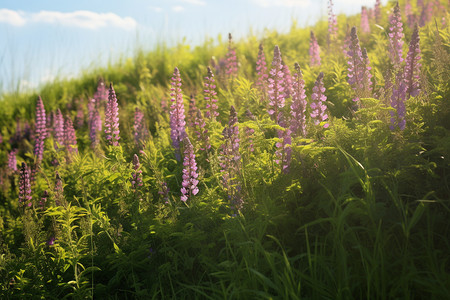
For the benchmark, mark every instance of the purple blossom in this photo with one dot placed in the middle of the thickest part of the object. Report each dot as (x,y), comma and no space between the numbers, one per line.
(101,94)
(210,96)
(112,118)
(231,65)
(410,16)
(1,138)
(230,161)
(412,67)
(249,136)
(318,105)
(192,113)
(314,51)
(426,14)
(70,139)
(365,27)
(359,76)
(298,106)
(43,200)
(136,179)
(190,175)
(284,151)
(177,122)
(24,186)
(398,99)
(201,132)
(377,11)
(276,87)
(164,191)
(12,161)
(80,115)
(332,24)
(261,70)
(396,37)
(287,81)
(41,131)
(141,133)
(95,125)
(51,241)
(59,128)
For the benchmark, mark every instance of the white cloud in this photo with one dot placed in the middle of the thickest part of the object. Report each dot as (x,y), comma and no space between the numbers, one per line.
(12,17)
(194,2)
(177,8)
(80,18)
(287,3)
(156,9)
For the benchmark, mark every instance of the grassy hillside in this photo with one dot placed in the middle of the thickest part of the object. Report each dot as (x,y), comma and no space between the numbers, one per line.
(264,201)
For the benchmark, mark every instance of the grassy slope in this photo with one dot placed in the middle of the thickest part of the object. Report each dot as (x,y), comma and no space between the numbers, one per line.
(363,212)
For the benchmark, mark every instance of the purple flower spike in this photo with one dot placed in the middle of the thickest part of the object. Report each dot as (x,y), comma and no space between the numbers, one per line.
(43,200)
(365,27)
(412,68)
(101,95)
(261,70)
(12,161)
(287,81)
(426,14)
(210,96)
(314,51)
(230,161)
(201,132)
(192,113)
(177,122)
(40,131)
(410,16)
(70,139)
(332,24)
(24,186)
(284,151)
(298,106)
(276,87)
(141,133)
(396,37)
(136,179)
(112,118)
(190,175)
(377,11)
(95,125)
(318,105)
(398,102)
(59,129)
(231,65)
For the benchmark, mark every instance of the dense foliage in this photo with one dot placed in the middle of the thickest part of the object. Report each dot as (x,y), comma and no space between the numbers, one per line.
(212,173)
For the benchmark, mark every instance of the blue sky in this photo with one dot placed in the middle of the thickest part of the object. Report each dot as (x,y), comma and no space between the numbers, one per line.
(41,40)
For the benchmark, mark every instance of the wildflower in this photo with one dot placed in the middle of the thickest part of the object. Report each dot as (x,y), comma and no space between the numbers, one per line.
(59,128)
(426,14)
(177,122)
(276,86)
(80,115)
(95,125)
(210,96)
(398,99)
(201,132)
(410,17)
(24,186)
(231,59)
(287,81)
(298,106)
(396,38)
(40,131)
(412,68)
(192,113)
(190,175)
(332,24)
(377,11)
(112,118)
(12,161)
(314,51)
(261,70)
(51,241)
(284,151)
(43,200)
(318,105)
(141,133)
(70,139)
(136,179)
(101,94)
(365,27)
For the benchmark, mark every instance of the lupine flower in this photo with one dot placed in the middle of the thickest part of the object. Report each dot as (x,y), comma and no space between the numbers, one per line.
(359,70)
(49,122)
(101,95)
(261,70)
(298,106)
(59,190)
(365,27)
(95,125)
(177,122)
(284,151)
(287,81)
(398,99)
(1,138)
(164,191)
(70,139)
(51,241)
(248,134)
(190,175)
(426,14)
(377,11)
(24,186)
(141,133)
(59,128)
(231,66)
(12,161)
(230,161)
(41,131)
(410,17)
(112,118)
(314,51)
(276,86)
(396,37)
(332,24)
(43,200)
(201,132)
(412,68)
(80,115)
(318,105)
(136,179)
(192,113)
(210,96)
